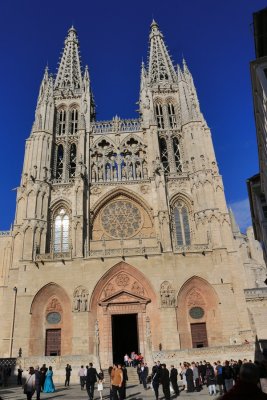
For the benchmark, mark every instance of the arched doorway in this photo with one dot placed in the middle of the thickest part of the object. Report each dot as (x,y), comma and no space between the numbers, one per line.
(51,322)
(198,315)
(122,314)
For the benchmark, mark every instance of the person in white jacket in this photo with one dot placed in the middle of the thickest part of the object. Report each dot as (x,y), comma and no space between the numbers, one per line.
(29,387)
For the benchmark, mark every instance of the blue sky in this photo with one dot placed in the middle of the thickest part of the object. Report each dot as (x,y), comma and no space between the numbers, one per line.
(215,37)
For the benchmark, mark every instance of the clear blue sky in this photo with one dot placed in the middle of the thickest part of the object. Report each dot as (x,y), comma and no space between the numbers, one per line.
(215,37)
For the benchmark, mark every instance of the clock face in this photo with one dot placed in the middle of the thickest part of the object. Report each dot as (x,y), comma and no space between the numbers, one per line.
(53,318)
(196,312)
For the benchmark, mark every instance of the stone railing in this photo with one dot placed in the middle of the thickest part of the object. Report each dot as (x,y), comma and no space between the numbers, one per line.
(116,125)
(120,248)
(255,294)
(62,181)
(53,256)
(5,233)
(207,353)
(192,248)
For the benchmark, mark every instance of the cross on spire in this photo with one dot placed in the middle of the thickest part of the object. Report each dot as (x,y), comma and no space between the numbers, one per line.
(160,68)
(69,72)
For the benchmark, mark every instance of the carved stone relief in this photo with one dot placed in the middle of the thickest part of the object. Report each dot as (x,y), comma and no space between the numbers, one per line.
(167,295)
(80,300)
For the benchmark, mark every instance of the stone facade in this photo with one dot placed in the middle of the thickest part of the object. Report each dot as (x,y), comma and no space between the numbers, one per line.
(123,217)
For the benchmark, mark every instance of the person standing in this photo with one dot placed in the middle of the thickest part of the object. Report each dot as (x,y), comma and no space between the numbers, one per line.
(116,382)
(68,374)
(19,379)
(125,379)
(29,387)
(156,372)
(43,372)
(210,379)
(228,376)
(195,376)
(81,374)
(173,379)
(37,382)
(219,376)
(49,386)
(189,379)
(165,381)
(91,379)
(144,374)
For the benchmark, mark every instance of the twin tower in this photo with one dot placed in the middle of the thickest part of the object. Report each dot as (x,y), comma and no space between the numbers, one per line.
(121,223)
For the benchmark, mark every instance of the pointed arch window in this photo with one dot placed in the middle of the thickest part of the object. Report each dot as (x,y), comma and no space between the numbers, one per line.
(73,160)
(73,121)
(62,122)
(164,154)
(159,115)
(61,232)
(181,224)
(176,152)
(60,162)
(172,116)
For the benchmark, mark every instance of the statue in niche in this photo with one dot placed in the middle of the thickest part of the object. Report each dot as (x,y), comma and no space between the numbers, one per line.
(138,171)
(145,171)
(76,303)
(115,174)
(108,172)
(100,173)
(130,171)
(94,172)
(83,302)
(123,172)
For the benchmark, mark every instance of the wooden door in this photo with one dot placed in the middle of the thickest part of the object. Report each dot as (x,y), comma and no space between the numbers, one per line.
(199,335)
(53,342)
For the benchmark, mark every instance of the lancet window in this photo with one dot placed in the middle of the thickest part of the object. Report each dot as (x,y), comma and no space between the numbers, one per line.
(164,155)
(181,227)
(172,116)
(61,232)
(73,121)
(62,122)
(73,160)
(159,115)
(176,152)
(60,162)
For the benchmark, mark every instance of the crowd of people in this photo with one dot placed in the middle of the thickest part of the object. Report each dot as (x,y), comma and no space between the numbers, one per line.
(230,380)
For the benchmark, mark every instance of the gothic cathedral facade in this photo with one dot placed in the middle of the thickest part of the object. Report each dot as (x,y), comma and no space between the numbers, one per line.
(121,226)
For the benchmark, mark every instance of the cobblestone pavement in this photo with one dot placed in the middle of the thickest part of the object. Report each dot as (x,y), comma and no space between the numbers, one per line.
(134,392)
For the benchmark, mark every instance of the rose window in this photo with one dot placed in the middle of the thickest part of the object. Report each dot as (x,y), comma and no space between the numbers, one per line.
(121,219)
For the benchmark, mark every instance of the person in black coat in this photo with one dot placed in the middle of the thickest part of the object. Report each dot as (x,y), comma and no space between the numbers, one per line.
(144,374)
(125,379)
(165,381)
(37,382)
(91,379)
(156,373)
(43,372)
(189,379)
(68,373)
(173,379)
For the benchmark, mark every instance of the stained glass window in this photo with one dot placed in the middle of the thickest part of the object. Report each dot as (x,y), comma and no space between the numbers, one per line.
(61,232)
(181,225)
(121,219)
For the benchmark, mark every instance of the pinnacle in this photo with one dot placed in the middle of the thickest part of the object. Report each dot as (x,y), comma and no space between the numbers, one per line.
(154,23)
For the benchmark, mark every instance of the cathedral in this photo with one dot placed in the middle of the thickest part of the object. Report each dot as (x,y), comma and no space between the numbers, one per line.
(122,240)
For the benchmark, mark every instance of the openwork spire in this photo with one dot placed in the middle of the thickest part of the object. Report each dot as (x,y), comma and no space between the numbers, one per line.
(69,73)
(161,69)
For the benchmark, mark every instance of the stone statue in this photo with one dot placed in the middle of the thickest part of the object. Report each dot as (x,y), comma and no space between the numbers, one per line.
(138,171)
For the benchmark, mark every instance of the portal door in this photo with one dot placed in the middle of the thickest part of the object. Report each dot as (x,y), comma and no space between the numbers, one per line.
(124,335)
(199,335)
(53,342)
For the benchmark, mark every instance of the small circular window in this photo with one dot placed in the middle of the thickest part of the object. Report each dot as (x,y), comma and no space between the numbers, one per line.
(196,312)
(53,318)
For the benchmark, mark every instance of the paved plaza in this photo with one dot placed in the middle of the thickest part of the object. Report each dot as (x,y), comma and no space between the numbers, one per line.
(134,392)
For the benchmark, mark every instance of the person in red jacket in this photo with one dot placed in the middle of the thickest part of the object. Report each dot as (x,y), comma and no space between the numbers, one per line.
(246,387)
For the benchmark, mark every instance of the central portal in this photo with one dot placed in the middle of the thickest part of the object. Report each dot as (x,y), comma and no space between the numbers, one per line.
(124,336)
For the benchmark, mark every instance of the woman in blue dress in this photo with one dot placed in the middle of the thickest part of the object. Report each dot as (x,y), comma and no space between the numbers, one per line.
(49,386)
